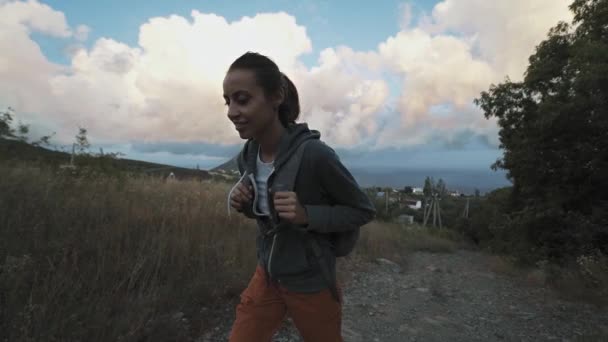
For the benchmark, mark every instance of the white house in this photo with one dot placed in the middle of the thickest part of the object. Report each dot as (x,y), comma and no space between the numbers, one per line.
(415,204)
(405,219)
(417,191)
(171,176)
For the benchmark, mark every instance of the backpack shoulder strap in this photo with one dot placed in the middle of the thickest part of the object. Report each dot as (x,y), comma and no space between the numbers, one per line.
(292,167)
(289,171)
(239,164)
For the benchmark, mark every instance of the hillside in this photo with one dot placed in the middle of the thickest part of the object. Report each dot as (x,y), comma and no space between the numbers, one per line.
(463,180)
(14,150)
(228,166)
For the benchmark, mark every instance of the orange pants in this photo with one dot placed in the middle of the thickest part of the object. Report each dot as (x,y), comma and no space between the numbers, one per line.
(317,316)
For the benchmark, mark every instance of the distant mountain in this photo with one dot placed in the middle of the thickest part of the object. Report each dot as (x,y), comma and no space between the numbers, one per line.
(20,151)
(228,166)
(465,181)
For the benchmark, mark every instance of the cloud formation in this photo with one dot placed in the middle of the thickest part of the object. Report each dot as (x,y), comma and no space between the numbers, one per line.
(168,86)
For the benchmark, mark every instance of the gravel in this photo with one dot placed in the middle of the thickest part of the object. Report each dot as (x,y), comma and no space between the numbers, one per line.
(447,297)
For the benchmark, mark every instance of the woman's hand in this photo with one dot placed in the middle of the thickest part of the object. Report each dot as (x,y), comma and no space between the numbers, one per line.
(289,208)
(241,196)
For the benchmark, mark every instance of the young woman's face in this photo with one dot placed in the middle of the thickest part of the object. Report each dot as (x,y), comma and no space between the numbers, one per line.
(249,109)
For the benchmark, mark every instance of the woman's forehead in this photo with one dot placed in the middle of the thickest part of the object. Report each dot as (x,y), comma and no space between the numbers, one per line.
(239,80)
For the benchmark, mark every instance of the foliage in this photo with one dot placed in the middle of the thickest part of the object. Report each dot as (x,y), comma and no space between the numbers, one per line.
(82,142)
(553,128)
(441,188)
(429,186)
(105,259)
(6,126)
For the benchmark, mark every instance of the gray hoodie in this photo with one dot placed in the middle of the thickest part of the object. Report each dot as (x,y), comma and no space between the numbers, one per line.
(333,200)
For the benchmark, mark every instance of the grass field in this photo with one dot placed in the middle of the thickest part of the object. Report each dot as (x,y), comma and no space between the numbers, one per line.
(102,258)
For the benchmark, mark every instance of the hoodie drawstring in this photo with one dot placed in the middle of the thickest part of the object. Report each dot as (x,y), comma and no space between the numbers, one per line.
(232,190)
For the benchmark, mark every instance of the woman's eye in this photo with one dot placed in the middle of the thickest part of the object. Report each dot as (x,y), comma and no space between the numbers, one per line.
(242,100)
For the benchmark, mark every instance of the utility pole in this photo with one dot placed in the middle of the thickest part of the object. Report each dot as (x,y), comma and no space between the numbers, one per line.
(433,207)
(386,196)
(427,210)
(465,213)
(434,210)
(72,156)
(439,212)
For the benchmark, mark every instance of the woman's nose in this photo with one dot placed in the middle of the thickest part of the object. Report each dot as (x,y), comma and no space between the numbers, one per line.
(232,112)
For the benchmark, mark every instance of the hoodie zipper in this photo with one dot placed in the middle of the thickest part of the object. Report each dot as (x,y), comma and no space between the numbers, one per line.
(272,214)
(274,239)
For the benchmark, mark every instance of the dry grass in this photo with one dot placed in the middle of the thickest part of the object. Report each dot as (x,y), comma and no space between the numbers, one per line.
(584,280)
(102,259)
(502,265)
(394,241)
(106,259)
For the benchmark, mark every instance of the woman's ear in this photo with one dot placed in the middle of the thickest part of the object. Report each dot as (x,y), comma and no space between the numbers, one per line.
(279,98)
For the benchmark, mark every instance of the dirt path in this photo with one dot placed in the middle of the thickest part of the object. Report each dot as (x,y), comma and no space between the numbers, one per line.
(451,297)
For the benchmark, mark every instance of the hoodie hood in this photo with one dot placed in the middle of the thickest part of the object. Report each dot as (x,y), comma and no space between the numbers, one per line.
(293,136)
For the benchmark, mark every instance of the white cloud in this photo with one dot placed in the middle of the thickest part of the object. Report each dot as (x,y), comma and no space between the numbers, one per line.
(168,86)
(504,32)
(24,70)
(34,16)
(82,33)
(406,15)
(343,95)
(436,70)
(440,68)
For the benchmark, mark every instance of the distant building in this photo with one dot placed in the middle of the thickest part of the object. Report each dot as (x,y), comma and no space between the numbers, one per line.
(413,204)
(417,191)
(405,219)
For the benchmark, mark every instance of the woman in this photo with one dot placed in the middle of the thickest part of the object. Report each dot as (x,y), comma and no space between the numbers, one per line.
(263,105)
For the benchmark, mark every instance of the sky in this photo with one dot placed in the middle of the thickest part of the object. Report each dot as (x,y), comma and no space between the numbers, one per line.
(387,83)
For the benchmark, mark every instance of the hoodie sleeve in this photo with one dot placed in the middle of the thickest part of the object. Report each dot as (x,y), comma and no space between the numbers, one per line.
(352,207)
(248,209)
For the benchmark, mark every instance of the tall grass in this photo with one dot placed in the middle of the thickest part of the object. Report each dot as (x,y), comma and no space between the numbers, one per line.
(584,280)
(395,241)
(100,259)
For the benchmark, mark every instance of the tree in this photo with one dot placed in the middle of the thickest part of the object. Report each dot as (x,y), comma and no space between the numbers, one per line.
(23,130)
(82,142)
(408,190)
(6,121)
(429,186)
(553,128)
(441,188)
(44,140)
(6,126)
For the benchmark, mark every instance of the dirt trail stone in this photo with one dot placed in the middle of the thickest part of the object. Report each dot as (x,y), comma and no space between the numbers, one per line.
(450,297)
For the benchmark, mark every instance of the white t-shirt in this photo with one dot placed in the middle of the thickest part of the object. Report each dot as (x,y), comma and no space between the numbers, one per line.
(261,181)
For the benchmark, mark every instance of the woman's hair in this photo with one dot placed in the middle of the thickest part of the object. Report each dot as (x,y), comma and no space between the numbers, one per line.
(272,80)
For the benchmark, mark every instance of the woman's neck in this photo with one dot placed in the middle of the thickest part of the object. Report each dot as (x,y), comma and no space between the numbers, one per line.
(269,141)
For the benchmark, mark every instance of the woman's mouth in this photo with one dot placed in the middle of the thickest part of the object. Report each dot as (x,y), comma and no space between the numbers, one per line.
(240,125)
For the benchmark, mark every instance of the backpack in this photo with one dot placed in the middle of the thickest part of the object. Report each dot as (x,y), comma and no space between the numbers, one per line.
(343,243)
